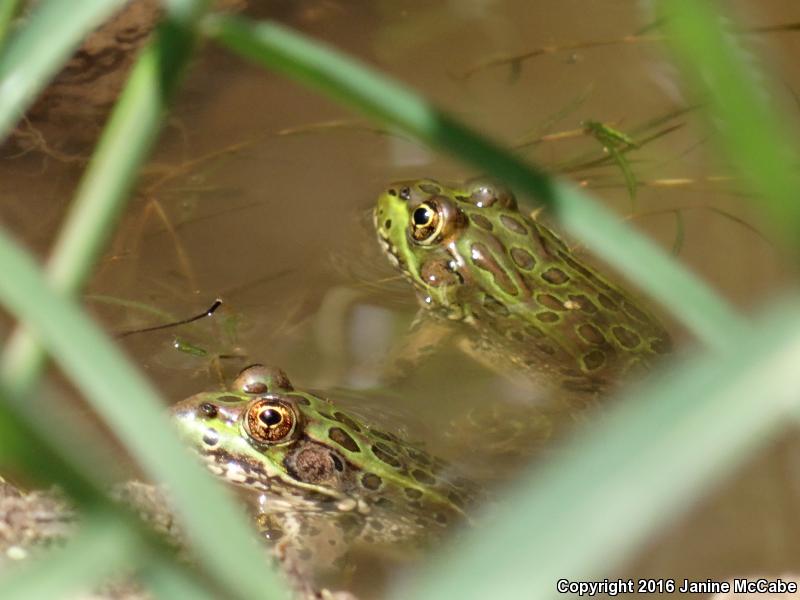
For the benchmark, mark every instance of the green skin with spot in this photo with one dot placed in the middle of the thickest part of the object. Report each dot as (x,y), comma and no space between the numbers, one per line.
(333,482)
(531,304)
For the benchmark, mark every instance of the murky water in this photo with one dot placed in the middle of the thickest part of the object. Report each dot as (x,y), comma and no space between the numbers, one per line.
(248,199)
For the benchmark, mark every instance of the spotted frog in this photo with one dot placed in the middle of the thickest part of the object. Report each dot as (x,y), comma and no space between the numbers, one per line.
(531,304)
(321,479)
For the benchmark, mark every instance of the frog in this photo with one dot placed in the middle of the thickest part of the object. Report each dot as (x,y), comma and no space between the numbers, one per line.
(320,480)
(528,302)
(521,302)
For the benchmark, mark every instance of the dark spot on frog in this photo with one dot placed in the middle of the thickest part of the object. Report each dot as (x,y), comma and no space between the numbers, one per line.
(481,222)
(555,276)
(591,334)
(583,302)
(412,493)
(423,477)
(387,224)
(495,307)
(371,481)
(341,437)
(515,335)
(533,331)
(384,502)
(660,345)
(607,302)
(383,456)
(635,312)
(313,464)
(626,337)
(211,437)
(419,456)
(550,301)
(456,499)
(229,398)
(547,349)
(383,435)
(440,518)
(594,360)
(343,418)
(547,317)
(304,554)
(392,192)
(513,225)
(522,258)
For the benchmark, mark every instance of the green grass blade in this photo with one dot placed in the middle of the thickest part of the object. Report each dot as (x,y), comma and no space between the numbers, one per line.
(752,131)
(170,582)
(40,449)
(357,86)
(37,51)
(586,512)
(8,12)
(101,195)
(103,547)
(131,407)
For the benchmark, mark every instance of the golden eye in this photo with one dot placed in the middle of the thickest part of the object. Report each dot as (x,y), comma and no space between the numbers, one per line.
(270,421)
(425,223)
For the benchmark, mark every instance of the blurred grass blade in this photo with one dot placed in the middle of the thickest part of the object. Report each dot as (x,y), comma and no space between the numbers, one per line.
(37,51)
(103,547)
(30,448)
(752,131)
(9,9)
(101,195)
(355,85)
(586,512)
(171,582)
(130,406)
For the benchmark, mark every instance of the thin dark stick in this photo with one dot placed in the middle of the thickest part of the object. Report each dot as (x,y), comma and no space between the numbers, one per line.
(208,312)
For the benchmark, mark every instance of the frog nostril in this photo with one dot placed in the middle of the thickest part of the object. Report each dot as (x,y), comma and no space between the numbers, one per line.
(208,409)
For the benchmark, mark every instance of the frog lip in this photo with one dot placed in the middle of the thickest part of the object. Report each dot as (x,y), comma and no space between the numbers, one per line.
(389,249)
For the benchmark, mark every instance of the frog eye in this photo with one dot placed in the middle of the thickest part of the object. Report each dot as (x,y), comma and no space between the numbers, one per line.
(270,421)
(425,224)
(435,220)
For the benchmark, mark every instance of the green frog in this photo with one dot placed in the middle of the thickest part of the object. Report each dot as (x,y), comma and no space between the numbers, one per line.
(531,305)
(322,479)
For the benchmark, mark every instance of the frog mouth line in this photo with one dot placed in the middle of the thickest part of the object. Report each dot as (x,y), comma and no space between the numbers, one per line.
(390,250)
